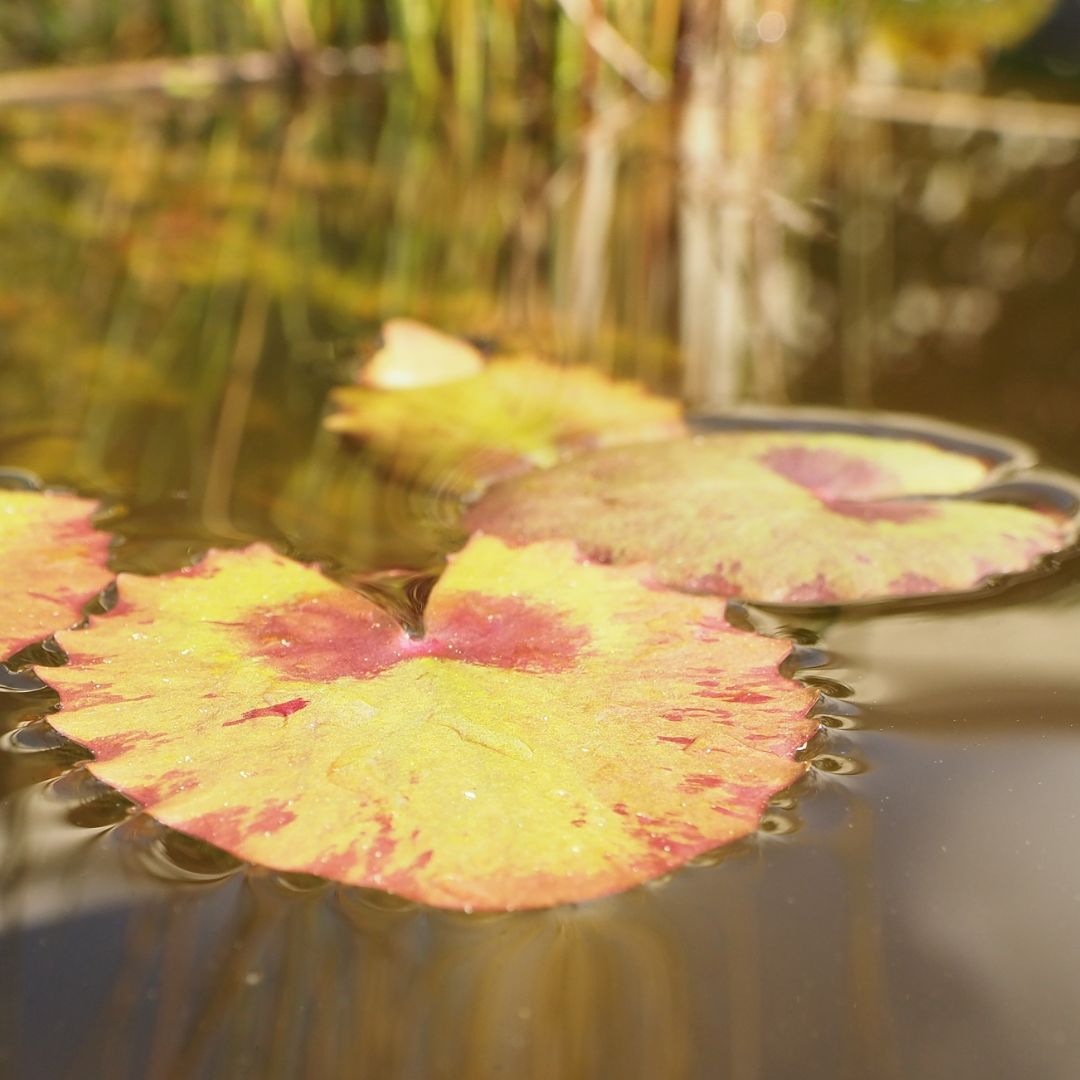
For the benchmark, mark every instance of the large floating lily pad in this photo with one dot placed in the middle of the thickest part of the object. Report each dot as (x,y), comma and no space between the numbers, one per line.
(781,516)
(562,731)
(433,424)
(54,562)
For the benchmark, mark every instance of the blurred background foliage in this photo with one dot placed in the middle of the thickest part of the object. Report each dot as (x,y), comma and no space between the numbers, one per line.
(529,47)
(772,201)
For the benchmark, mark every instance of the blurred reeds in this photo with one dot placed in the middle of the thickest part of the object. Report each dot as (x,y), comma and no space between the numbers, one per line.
(518,47)
(184,282)
(524,48)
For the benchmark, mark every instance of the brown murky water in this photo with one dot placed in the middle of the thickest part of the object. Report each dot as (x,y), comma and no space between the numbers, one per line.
(182,282)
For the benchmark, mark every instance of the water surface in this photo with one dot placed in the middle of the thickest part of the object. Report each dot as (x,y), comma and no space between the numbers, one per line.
(182,283)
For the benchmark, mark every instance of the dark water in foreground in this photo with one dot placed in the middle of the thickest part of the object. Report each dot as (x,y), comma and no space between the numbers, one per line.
(181,284)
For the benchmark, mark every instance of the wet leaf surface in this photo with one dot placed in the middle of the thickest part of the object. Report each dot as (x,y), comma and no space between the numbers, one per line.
(515,413)
(782,517)
(54,563)
(560,732)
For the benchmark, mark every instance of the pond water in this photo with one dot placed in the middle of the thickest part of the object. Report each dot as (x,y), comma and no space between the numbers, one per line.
(182,283)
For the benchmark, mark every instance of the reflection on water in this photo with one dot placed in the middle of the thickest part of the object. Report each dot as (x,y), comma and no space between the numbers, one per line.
(255,974)
(183,282)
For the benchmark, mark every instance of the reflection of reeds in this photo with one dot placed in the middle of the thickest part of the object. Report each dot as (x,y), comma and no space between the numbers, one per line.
(182,281)
(185,284)
(333,983)
(249,973)
(754,141)
(964,112)
(125,311)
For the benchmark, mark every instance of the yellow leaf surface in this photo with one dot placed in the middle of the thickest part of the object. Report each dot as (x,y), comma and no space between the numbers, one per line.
(54,562)
(562,731)
(783,516)
(512,415)
(414,355)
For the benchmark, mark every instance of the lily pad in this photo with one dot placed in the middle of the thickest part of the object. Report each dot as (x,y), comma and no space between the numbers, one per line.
(561,731)
(516,413)
(54,563)
(413,355)
(796,517)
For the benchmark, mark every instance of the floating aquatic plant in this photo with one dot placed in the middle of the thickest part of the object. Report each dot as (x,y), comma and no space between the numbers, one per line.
(559,732)
(432,423)
(54,562)
(796,517)
(577,716)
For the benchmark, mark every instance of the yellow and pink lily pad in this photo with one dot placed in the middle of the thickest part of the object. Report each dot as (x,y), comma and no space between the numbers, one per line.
(55,561)
(438,416)
(794,517)
(561,731)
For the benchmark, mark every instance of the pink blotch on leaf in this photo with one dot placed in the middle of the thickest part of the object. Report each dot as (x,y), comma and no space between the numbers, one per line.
(283,709)
(113,746)
(722,581)
(507,632)
(739,697)
(679,740)
(338,865)
(273,816)
(828,473)
(321,639)
(898,511)
(169,784)
(90,695)
(696,782)
(228,828)
(383,846)
(910,583)
(817,591)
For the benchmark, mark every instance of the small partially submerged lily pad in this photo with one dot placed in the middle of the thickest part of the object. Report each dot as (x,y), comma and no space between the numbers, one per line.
(414,355)
(458,434)
(560,732)
(55,561)
(802,517)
